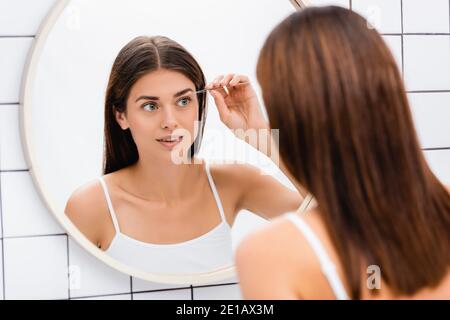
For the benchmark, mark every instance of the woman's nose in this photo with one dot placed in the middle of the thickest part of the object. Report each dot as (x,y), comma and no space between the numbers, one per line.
(169,121)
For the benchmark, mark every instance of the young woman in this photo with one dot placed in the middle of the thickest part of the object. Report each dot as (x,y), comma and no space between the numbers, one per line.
(382,225)
(148,210)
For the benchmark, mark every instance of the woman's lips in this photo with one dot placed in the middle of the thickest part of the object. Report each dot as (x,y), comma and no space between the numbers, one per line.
(170,144)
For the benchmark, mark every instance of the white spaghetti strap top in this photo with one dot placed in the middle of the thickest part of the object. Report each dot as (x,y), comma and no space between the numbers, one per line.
(327,266)
(208,252)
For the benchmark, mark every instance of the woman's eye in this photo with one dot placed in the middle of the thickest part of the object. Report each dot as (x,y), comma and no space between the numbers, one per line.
(184,101)
(151,106)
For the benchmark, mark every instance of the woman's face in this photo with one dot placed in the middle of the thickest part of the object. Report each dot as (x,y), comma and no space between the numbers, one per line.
(161,112)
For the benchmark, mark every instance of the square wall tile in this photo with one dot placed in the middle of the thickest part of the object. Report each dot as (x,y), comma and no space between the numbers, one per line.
(384,15)
(439,161)
(427,62)
(11,153)
(178,294)
(23,17)
(90,276)
(24,214)
(426,16)
(222,292)
(341,3)
(13,54)
(431,114)
(36,268)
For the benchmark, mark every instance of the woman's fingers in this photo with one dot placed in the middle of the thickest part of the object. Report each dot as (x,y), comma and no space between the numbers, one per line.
(216,86)
(222,107)
(225,80)
(238,79)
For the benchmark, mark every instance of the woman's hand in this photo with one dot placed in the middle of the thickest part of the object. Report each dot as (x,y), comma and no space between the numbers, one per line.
(238,108)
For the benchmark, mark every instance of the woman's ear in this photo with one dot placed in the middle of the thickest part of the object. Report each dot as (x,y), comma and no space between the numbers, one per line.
(121,119)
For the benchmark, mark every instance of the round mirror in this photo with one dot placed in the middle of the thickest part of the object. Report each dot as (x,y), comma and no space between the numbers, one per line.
(66,80)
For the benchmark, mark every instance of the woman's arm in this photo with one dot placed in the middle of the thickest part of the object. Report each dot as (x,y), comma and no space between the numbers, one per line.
(261,194)
(240,111)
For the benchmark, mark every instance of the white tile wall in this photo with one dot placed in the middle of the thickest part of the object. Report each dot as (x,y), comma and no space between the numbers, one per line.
(36,267)
(28,13)
(426,16)
(342,3)
(384,15)
(91,277)
(140,285)
(431,112)
(427,62)
(231,292)
(439,161)
(395,44)
(11,154)
(24,218)
(178,294)
(36,255)
(110,297)
(13,53)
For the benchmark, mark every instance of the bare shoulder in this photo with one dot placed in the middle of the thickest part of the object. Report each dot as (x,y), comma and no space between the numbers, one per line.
(232,179)
(280,249)
(87,209)
(267,263)
(233,171)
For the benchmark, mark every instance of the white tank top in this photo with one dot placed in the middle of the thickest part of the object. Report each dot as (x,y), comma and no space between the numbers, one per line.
(326,264)
(205,253)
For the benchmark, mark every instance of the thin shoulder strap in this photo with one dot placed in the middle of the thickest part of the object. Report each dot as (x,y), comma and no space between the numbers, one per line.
(327,266)
(110,207)
(216,195)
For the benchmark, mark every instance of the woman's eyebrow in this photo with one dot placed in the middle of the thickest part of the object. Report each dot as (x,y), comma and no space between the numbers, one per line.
(157,98)
(182,92)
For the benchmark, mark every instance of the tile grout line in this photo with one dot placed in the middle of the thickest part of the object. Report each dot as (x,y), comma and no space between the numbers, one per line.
(100,295)
(16,36)
(402,39)
(36,236)
(15,170)
(3,241)
(191,287)
(428,91)
(68,267)
(436,149)
(131,288)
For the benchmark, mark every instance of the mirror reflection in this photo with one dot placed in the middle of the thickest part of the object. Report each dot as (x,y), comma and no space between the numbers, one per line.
(130,129)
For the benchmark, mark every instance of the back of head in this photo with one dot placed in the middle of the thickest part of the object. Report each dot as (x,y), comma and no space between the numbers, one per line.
(333,89)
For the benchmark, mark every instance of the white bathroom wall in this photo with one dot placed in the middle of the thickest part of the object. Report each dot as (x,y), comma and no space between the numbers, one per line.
(35,252)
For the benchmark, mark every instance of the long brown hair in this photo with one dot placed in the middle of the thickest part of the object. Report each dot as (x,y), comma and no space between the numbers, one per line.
(333,89)
(139,57)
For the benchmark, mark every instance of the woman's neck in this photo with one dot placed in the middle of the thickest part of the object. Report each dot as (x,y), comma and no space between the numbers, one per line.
(163,181)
